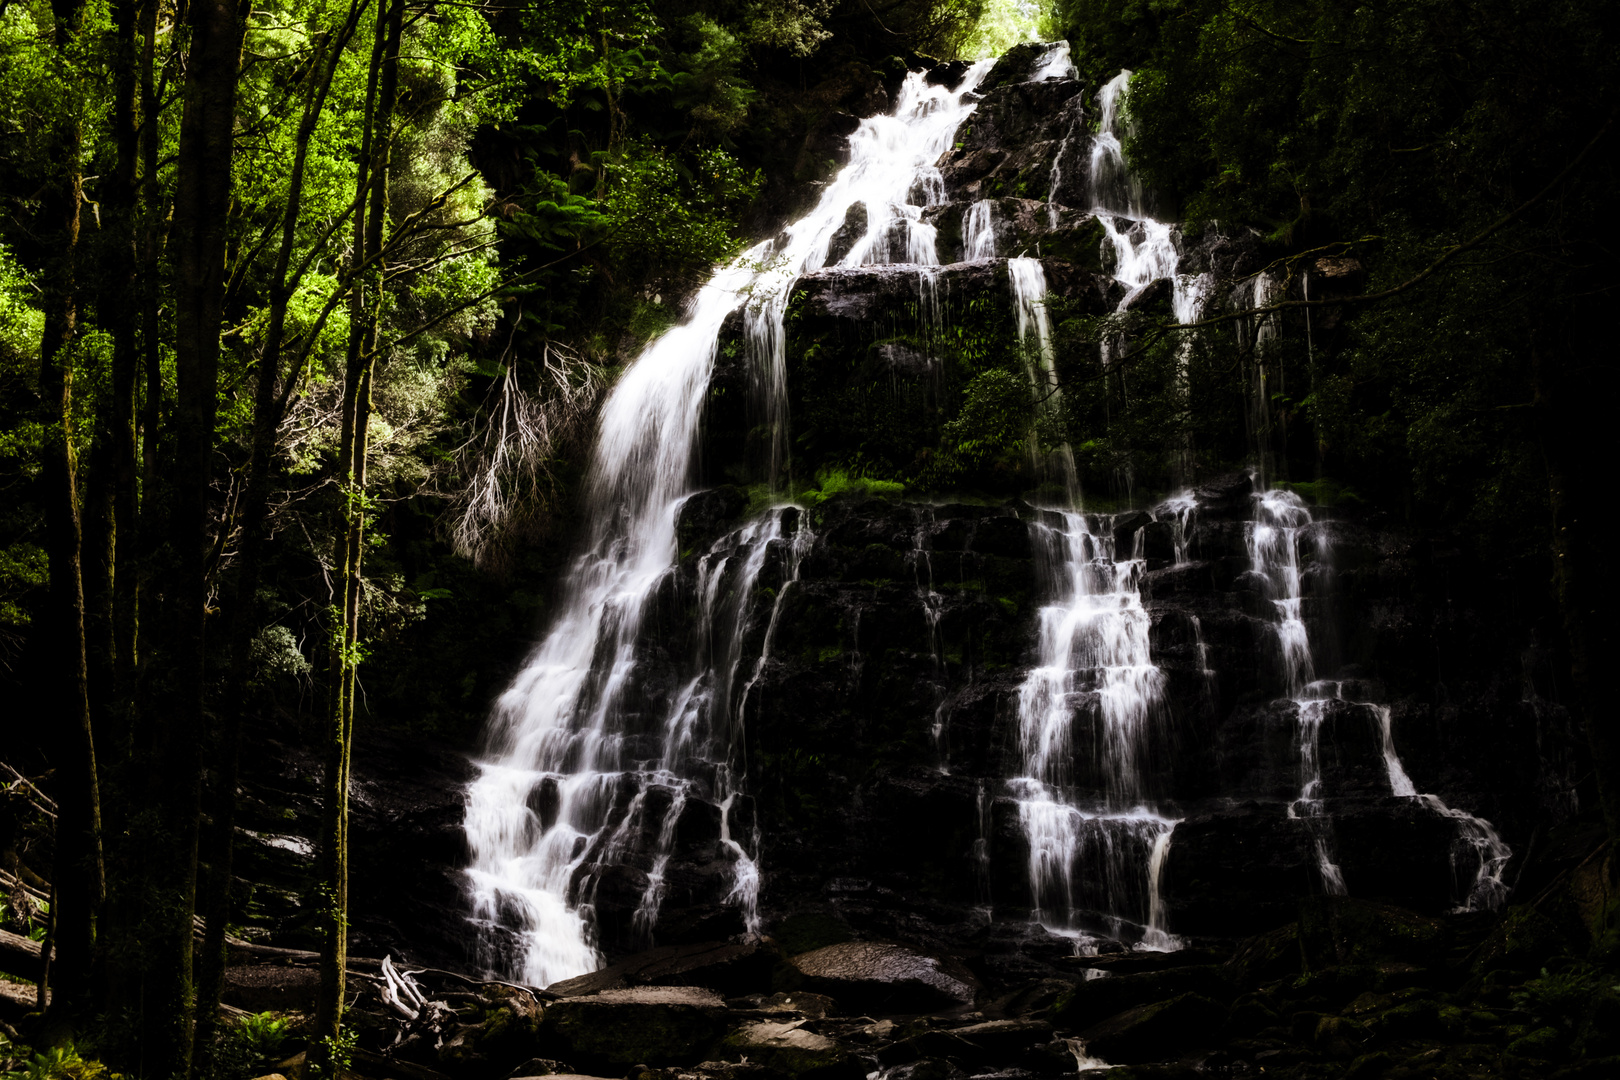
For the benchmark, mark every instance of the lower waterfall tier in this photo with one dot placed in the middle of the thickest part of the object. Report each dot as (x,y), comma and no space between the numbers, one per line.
(881,731)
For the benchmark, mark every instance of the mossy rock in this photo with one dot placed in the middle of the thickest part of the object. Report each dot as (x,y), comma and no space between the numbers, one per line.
(1155,1032)
(1268,956)
(1544,1043)
(1337,930)
(1525,940)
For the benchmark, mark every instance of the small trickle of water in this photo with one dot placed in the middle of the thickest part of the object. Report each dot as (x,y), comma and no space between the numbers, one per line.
(1479,857)
(979,231)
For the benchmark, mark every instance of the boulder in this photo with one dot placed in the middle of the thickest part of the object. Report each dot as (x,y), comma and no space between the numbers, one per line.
(1003,1038)
(614,1029)
(1340,930)
(787,1048)
(802,1002)
(727,967)
(881,978)
(1158,1032)
(1092,1000)
(932,1045)
(542,1067)
(506,1035)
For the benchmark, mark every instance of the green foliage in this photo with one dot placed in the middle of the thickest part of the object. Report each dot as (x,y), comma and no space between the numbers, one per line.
(1573,1009)
(332,1055)
(1003,24)
(34,919)
(261,1034)
(1323,492)
(836,482)
(61,1062)
(21,322)
(276,655)
(990,432)
(675,212)
(248,1046)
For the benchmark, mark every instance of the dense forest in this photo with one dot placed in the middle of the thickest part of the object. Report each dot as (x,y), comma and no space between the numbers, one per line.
(309,313)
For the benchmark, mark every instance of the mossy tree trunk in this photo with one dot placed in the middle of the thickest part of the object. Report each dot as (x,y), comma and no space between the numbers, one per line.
(365,300)
(78,880)
(203,175)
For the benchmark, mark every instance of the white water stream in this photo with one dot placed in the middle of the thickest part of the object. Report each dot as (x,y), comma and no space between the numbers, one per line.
(1099,854)
(1478,856)
(563,737)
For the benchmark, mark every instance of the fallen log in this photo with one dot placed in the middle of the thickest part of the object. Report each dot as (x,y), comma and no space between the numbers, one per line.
(20,956)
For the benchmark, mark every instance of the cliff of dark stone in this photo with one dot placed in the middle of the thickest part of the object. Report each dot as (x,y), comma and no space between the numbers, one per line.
(866,818)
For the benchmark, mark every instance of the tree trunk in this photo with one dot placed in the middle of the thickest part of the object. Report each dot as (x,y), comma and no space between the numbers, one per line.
(78,883)
(1582,578)
(201,209)
(245,616)
(363,309)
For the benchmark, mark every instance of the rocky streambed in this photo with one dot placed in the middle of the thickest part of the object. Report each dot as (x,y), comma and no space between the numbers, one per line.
(1351,988)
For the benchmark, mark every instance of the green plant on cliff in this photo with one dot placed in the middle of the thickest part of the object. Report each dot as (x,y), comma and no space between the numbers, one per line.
(989,434)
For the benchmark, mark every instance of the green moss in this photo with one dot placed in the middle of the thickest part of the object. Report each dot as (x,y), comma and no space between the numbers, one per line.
(1543,1043)
(838,482)
(806,933)
(1324,492)
(859,412)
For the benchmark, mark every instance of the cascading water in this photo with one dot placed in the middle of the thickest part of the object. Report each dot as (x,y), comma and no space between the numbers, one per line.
(1281,519)
(1100,852)
(979,231)
(548,814)
(1094,636)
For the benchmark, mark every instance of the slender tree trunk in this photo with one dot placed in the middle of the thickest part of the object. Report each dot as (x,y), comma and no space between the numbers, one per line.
(201,208)
(246,617)
(144,538)
(122,313)
(369,227)
(1582,574)
(133,324)
(78,880)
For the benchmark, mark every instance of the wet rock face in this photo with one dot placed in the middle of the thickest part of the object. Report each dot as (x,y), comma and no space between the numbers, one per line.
(882,728)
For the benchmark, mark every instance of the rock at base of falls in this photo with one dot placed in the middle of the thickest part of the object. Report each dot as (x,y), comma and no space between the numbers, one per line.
(787,1047)
(662,1025)
(883,978)
(726,967)
(1091,1001)
(1341,930)
(1157,1032)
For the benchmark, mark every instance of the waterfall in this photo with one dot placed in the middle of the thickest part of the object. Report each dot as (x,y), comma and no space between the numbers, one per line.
(1093,667)
(1094,635)
(1055,64)
(979,231)
(1281,517)
(1258,292)
(932,602)
(565,784)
